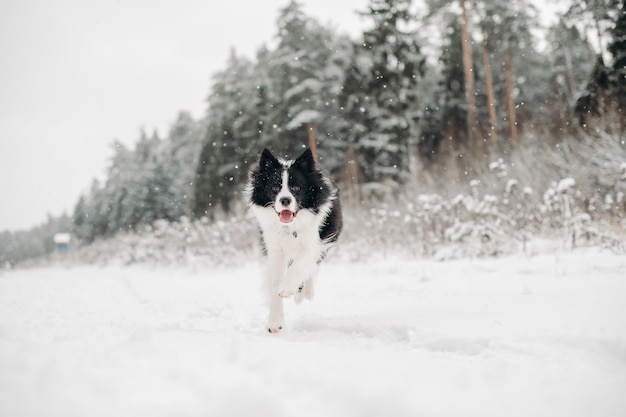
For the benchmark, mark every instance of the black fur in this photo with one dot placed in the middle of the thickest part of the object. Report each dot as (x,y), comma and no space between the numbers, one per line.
(307,184)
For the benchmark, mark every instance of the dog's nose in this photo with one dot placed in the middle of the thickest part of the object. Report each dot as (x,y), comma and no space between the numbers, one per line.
(285,201)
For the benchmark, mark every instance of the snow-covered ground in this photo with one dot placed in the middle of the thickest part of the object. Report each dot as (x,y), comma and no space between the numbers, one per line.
(514,336)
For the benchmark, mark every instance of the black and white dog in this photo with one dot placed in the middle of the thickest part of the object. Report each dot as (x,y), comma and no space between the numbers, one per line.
(299,218)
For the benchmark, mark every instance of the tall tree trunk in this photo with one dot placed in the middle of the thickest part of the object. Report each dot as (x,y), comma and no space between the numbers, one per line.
(571,81)
(491,102)
(507,68)
(466,45)
(312,142)
(599,36)
(351,176)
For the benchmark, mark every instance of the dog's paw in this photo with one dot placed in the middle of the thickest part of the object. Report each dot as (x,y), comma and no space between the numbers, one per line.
(285,293)
(288,291)
(274,327)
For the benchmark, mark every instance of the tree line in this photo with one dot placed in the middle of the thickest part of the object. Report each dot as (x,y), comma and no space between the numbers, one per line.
(455,79)
(425,84)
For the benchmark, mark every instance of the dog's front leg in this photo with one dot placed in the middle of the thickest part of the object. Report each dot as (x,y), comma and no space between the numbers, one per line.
(276,319)
(299,270)
(273,277)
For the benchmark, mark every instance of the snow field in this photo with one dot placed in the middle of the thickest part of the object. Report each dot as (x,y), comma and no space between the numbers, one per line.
(514,336)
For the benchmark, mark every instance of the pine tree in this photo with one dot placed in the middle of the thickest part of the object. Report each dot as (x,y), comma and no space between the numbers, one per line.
(605,89)
(617,48)
(571,60)
(455,105)
(595,16)
(299,88)
(89,219)
(180,157)
(81,225)
(380,96)
(138,190)
(307,69)
(592,102)
(121,176)
(233,130)
(273,103)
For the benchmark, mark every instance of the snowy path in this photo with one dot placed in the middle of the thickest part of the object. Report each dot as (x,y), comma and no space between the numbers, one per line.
(540,336)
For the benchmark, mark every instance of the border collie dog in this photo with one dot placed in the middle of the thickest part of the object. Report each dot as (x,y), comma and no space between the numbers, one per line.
(299,218)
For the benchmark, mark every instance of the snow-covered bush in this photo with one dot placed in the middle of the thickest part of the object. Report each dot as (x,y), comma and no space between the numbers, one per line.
(473,224)
(222,242)
(516,200)
(497,214)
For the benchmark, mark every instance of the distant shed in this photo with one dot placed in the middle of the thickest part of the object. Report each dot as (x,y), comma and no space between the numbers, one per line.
(62,242)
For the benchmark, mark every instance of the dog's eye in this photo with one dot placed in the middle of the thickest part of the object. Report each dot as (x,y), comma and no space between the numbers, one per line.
(294,188)
(275,189)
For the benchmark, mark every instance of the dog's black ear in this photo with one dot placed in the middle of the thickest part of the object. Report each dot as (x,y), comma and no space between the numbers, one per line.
(306,161)
(267,160)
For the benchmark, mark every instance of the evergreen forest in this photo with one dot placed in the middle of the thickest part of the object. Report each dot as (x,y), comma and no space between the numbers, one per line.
(441,97)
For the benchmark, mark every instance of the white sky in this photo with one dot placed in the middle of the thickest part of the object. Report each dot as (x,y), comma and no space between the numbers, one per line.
(75,75)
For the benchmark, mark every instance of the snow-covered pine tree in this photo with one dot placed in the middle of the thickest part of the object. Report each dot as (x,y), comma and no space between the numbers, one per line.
(454,112)
(591,103)
(571,59)
(81,224)
(89,219)
(380,97)
(131,185)
(138,190)
(307,72)
(596,17)
(180,157)
(271,103)
(141,192)
(159,196)
(122,180)
(617,48)
(295,84)
(599,17)
(232,133)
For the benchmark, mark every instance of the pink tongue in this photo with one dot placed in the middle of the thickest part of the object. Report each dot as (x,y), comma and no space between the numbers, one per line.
(286,216)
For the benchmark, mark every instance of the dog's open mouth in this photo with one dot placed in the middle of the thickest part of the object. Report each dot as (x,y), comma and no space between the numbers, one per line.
(286,216)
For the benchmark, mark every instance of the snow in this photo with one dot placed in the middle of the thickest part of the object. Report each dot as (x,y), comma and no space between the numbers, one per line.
(305,116)
(565,184)
(515,336)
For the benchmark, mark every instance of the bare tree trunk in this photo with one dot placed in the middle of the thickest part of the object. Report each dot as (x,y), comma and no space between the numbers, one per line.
(469,76)
(351,177)
(599,35)
(571,81)
(507,68)
(491,102)
(312,142)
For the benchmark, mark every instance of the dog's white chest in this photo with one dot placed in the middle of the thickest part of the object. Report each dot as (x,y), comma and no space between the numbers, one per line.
(293,240)
(301,235)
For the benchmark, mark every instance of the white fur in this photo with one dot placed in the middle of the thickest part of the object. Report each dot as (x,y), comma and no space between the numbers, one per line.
(293,250)
(284,192)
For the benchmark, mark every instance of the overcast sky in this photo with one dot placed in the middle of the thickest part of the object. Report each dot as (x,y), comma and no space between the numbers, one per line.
(75,75)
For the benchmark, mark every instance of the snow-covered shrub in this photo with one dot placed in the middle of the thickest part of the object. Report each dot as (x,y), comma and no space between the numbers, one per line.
(225,241)
(532,194)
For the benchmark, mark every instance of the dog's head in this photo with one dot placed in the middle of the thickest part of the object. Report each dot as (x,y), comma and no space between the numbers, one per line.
(286,186)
